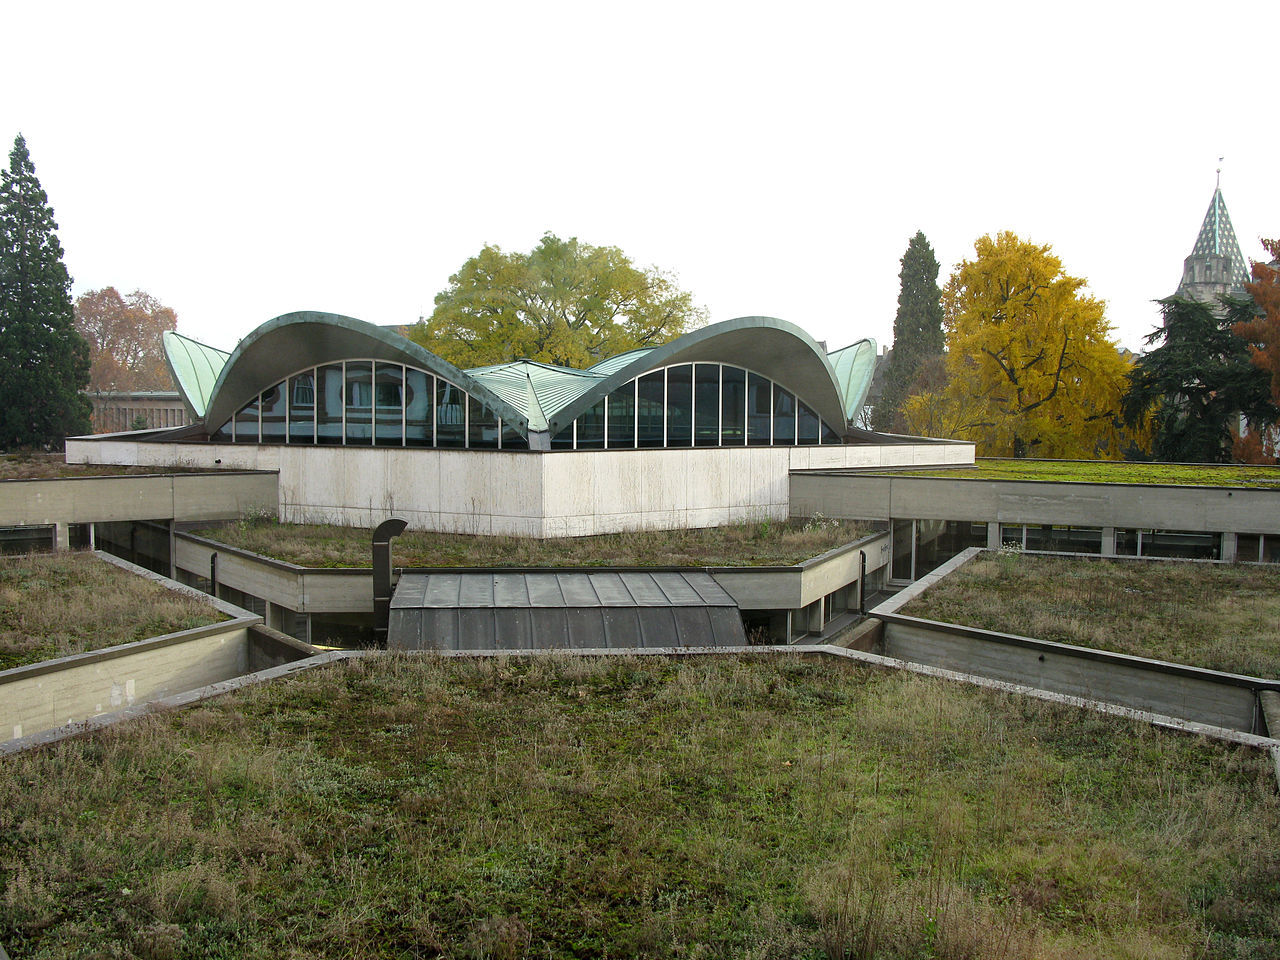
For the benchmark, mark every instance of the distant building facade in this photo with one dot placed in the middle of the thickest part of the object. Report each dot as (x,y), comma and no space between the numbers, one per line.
(115,411)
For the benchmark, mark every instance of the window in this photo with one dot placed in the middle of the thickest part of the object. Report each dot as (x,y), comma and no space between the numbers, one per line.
(359,397)
(706,404)
(302,408)
(451,415)
(329,404)
(622,416)
(482,426)
(246,423)
(650,408)
(680,406)
(388,396)
(733,406)
(784,416)
(274,414)
(759,410)
(419,427)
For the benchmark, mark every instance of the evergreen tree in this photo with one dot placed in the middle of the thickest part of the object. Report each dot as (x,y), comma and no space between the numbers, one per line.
(44,363)
(917,329)
(1198,382)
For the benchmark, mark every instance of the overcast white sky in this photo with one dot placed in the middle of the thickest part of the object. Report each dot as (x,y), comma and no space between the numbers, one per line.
(240,161)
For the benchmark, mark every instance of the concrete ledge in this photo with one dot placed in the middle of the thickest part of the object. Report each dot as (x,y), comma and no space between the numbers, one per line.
(877,661)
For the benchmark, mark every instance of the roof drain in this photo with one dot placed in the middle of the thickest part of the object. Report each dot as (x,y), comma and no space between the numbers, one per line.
(382,537)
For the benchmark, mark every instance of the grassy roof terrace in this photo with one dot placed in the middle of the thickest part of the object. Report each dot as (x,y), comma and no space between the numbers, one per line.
(1107,471)
(762,543)
(54,605)
(1218,616)
(717,807)
(52,466)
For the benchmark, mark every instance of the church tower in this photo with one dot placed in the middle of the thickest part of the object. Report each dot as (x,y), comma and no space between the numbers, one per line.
(1216,266)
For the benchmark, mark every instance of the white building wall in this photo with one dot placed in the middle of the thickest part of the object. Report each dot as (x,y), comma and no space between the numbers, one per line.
(562,493)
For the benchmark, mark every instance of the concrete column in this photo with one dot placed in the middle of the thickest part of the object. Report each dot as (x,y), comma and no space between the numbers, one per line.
(993,535)
(1229,547)
(1108,541)
(61,537)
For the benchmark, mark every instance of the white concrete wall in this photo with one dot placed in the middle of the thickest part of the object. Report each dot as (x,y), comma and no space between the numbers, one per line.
(562,493)
(76,688)
(1211,509)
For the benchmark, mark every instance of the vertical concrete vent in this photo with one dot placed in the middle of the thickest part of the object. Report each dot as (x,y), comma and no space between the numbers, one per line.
(548,610)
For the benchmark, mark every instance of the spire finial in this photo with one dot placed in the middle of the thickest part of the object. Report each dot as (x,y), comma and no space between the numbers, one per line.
(1218,185)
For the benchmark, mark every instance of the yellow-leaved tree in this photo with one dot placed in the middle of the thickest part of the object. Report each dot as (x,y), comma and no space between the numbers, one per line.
(565,302)
(1030,368)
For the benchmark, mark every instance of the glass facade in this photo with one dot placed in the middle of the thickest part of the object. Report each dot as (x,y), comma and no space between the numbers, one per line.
(367,403)
(696,404)
(374,403)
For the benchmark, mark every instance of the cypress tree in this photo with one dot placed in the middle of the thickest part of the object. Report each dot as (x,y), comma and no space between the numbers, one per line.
(917,328)
(44,363)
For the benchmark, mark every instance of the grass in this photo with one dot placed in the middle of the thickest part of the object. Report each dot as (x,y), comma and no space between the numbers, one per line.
(52,466)
(1103,471)
(397,807)
(1224,617)
(54,605)
(741,545)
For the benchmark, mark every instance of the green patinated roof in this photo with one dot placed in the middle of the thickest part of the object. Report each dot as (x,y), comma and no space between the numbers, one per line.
(545,396)
(534,388)
(1218,239)
(194,367)
(853,366)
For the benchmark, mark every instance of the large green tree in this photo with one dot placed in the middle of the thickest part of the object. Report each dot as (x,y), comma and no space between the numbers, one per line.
(917,330)
(44,363)
(565,302)
(1198,382)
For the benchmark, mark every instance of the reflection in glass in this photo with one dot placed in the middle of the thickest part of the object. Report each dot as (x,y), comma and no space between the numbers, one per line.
(482,426)
(302,408)
(329,404)
(451,415)
(274,413)
(388,400)
(246,422)
(359,394)
(419,391)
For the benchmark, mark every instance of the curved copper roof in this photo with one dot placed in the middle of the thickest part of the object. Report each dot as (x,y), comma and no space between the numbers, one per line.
(533,397)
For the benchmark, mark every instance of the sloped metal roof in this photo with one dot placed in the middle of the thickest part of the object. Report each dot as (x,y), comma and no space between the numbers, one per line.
(531,396)
(194,367)
(1217,238)
(514,610)
(854,366)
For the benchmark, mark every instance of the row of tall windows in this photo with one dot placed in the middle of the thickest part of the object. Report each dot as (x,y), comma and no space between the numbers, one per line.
(370,403)
(696,405)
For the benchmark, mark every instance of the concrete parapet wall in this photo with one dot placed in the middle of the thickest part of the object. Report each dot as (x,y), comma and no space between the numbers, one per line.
(1159,507)
(540,494)
(178,496)
(75,688)
(302,589)
(1169,689)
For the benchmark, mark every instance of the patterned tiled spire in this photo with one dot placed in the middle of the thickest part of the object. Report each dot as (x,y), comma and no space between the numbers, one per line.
(1216,265)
